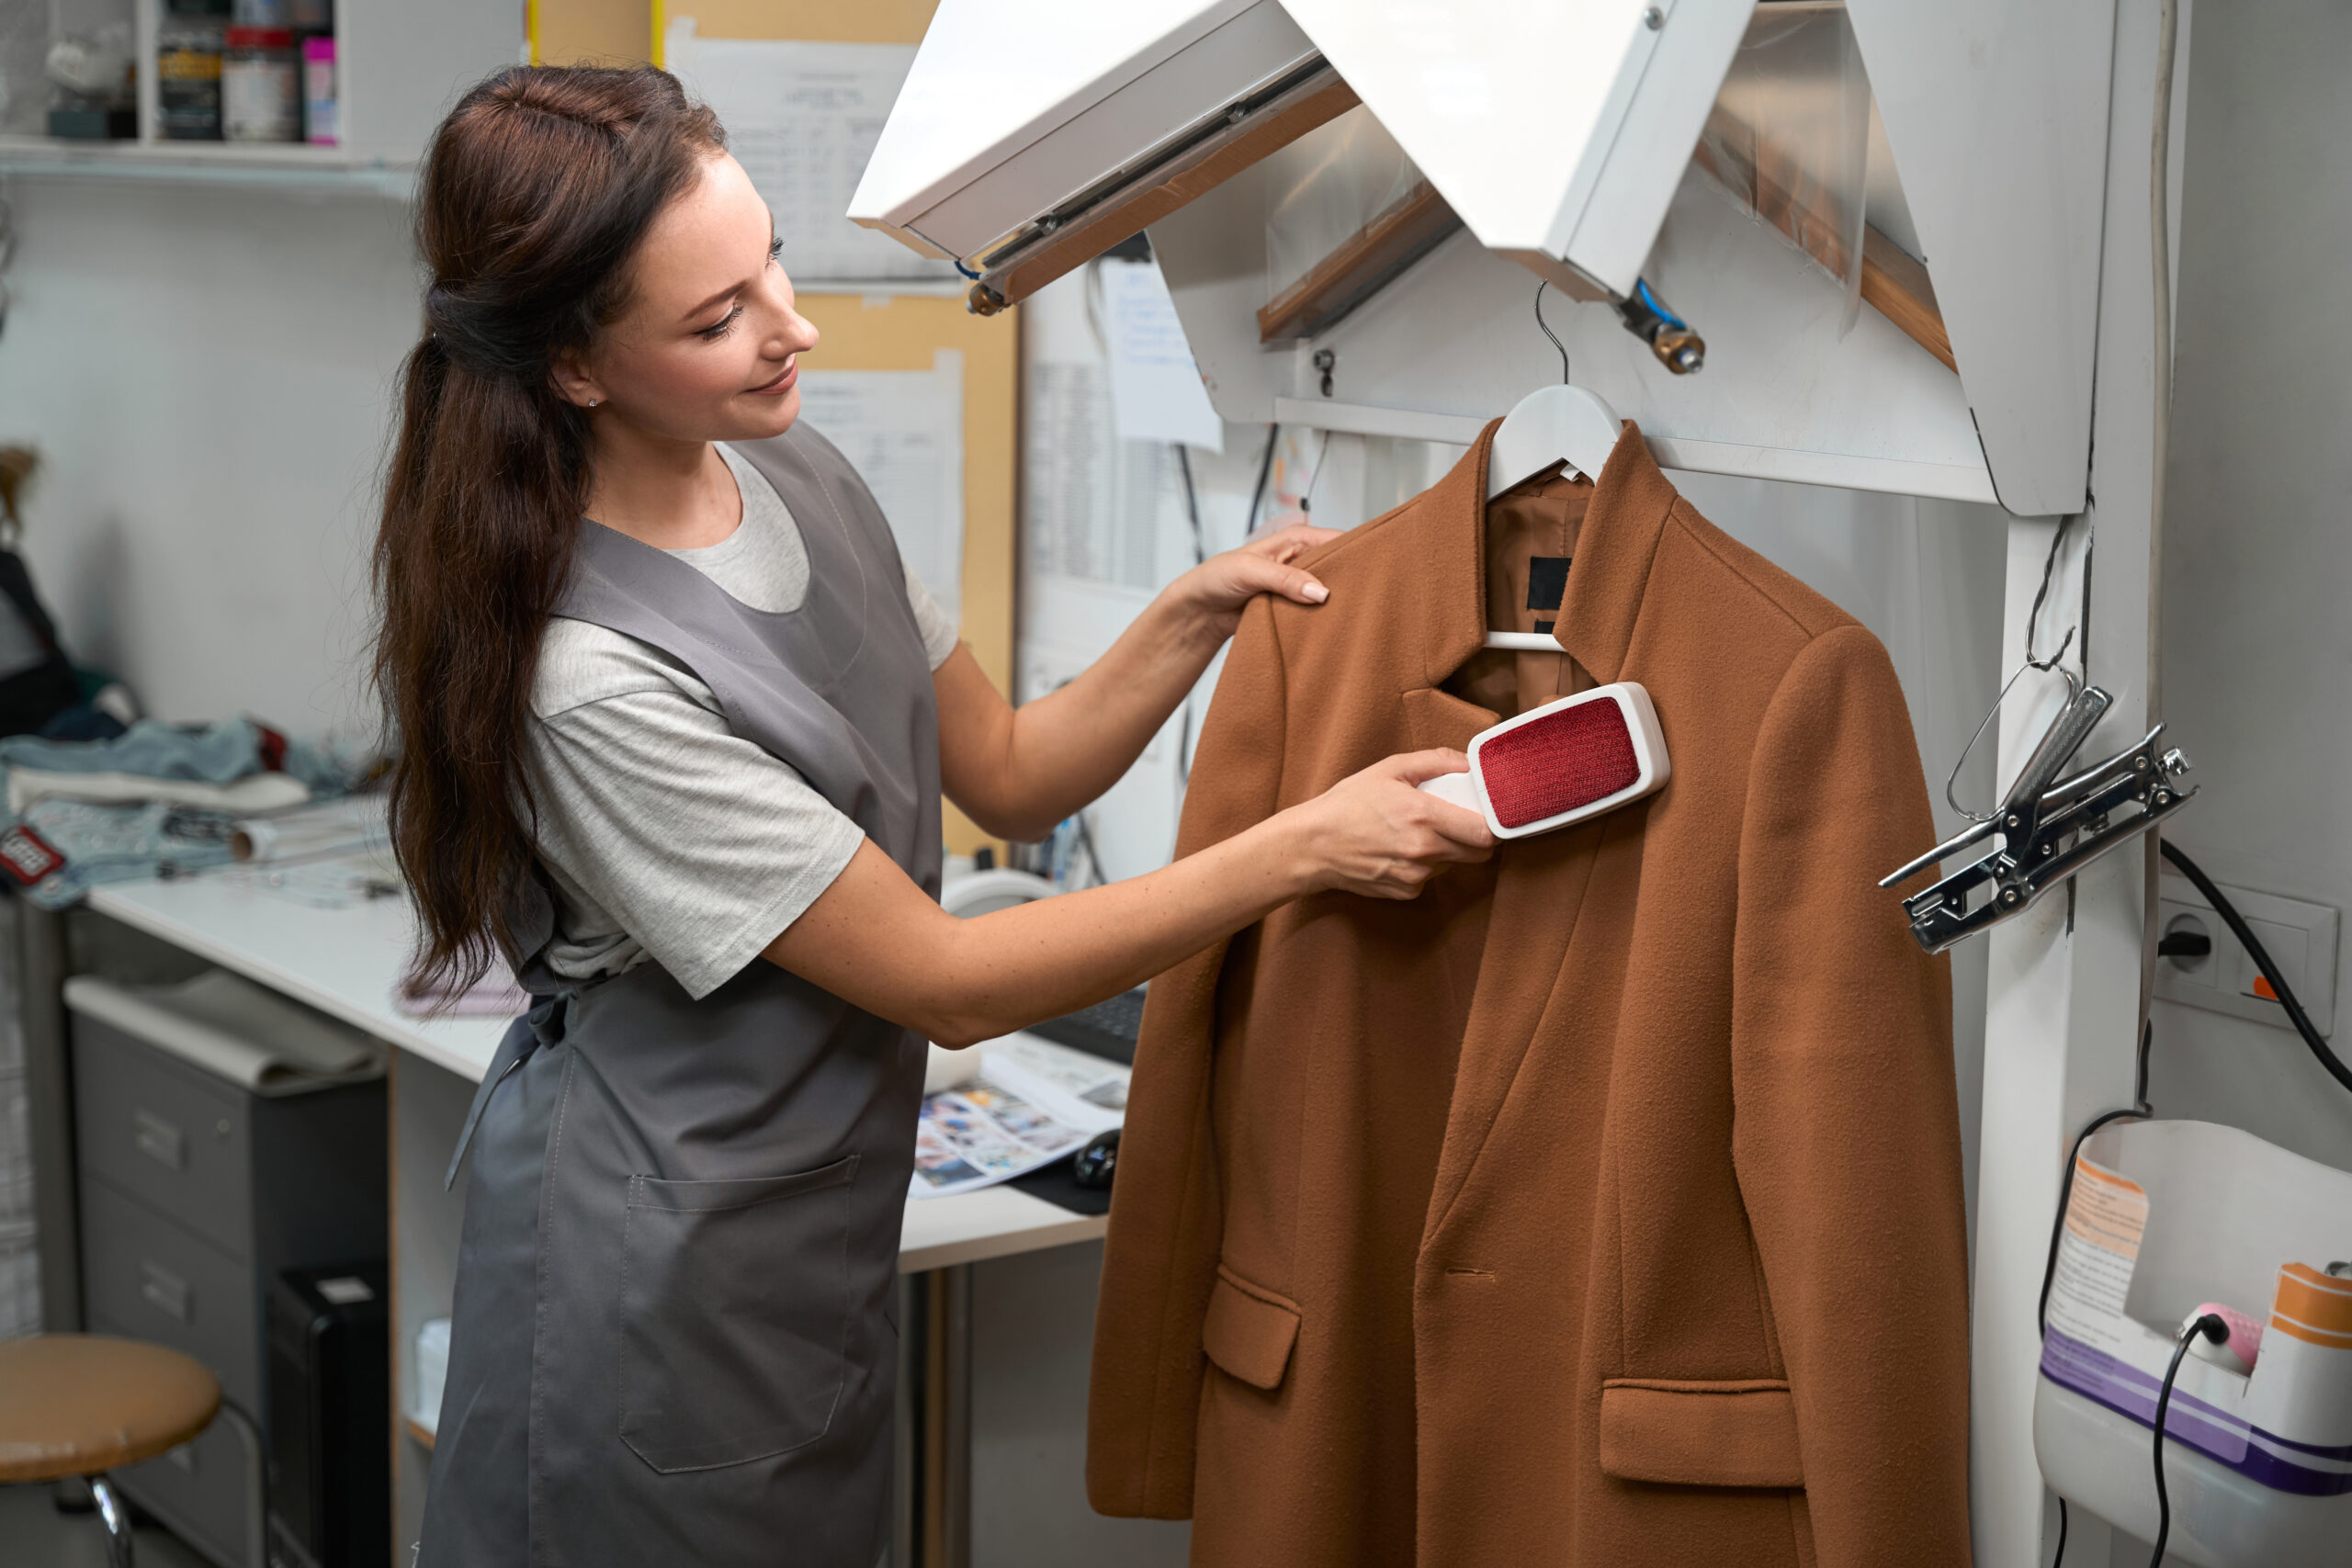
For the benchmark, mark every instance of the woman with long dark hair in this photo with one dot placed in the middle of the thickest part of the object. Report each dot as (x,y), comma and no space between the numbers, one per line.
(673,724)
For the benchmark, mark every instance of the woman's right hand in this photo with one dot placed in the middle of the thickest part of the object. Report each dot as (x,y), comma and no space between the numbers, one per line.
(1375,834)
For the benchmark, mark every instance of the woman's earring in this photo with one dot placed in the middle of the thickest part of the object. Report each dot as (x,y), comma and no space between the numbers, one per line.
(592,402)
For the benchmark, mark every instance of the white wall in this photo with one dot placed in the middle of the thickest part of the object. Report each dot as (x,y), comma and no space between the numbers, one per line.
(207,372)
(2257,641)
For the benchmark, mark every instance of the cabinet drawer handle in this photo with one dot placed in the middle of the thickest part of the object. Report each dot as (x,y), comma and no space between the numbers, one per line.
(158,1140)
(166,1291)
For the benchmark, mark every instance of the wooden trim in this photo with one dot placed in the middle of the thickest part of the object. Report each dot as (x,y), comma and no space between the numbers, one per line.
(1896,284)
(1409,229)
(1132,212)
(1893,282)
(417,1432)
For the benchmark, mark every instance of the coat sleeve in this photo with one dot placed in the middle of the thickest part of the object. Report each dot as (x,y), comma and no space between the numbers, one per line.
(1846,1133)
(1167,1212)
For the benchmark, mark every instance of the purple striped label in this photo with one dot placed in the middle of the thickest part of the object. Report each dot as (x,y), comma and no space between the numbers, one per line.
(2277,1462)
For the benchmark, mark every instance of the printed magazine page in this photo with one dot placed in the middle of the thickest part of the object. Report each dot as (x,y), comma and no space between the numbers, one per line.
(1033,1103)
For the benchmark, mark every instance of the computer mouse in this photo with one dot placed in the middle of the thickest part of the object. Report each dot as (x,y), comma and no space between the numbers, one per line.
(1098,1162)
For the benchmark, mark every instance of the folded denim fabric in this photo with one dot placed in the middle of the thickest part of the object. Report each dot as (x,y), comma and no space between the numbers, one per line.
(59,849)
(220,753)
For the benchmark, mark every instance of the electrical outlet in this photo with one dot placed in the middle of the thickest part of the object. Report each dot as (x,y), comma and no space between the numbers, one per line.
(2299,936)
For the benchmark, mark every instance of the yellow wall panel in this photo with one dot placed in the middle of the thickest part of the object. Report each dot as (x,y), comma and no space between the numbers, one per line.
(829,21)
(591,32)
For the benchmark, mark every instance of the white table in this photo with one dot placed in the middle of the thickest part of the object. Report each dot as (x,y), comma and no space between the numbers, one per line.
(346,961)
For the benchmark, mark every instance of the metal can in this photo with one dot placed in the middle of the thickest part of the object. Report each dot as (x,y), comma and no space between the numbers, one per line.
(261,86)
(187,79)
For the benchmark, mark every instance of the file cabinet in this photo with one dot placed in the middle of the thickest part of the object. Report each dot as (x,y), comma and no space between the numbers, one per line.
(195,1193)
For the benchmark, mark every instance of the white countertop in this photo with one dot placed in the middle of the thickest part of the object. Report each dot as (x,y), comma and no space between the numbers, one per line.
(346,961)
(343,962)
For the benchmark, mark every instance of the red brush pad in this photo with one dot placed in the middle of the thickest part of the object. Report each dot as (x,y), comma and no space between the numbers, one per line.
(1573,758)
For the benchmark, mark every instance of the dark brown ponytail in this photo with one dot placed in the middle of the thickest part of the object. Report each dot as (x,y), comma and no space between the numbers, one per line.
(535,195)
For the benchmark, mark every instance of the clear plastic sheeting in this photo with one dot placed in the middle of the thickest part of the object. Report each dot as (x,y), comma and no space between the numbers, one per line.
(1789,136)
(1326,188)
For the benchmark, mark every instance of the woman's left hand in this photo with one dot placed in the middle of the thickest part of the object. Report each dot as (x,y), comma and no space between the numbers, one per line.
(1220,587)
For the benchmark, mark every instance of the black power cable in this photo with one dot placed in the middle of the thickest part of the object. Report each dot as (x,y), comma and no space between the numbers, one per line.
(2140,1109)
(2211,1327)
(1258,493)
(1191,503)
(2217,1330)
(2262,961)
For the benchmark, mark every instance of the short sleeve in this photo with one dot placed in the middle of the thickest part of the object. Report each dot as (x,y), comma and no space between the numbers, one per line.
(697,843)
(938,630)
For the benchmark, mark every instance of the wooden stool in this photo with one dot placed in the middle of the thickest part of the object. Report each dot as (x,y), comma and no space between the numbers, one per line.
(82,1404)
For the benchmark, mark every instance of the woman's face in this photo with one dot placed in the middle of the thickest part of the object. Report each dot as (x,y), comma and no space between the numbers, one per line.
(709,347)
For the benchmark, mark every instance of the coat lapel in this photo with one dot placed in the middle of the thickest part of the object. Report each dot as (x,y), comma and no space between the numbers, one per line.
(1541,885)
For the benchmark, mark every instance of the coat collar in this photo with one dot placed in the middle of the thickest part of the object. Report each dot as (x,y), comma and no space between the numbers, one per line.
(1622,528)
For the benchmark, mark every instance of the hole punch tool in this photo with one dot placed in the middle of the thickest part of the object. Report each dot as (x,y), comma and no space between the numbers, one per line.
(2048,828)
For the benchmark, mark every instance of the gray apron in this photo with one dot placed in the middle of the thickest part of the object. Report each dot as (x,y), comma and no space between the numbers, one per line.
(675,1336)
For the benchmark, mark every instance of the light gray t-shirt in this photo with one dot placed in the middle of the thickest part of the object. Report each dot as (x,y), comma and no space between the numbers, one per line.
(668,837)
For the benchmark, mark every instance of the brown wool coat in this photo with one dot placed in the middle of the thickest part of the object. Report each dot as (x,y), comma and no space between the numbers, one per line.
(1602,1207)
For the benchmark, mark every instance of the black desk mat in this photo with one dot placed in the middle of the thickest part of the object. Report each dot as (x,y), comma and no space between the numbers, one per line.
(1057,1185)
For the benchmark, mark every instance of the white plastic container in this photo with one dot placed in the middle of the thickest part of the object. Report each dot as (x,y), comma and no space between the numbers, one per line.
(2164,1218)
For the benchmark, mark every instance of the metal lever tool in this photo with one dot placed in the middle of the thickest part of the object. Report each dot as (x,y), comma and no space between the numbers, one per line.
(2047,828)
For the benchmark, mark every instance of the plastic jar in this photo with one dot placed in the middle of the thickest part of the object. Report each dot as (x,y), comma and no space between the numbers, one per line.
(187,79)
(320,124)
(261,86)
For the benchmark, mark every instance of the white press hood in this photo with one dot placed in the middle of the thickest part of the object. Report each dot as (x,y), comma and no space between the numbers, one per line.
(1022,118)
(1031,135)
(1557,132)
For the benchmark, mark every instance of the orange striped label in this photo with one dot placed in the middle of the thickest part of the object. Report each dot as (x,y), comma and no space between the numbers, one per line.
(2107,1211)
(2313,1306)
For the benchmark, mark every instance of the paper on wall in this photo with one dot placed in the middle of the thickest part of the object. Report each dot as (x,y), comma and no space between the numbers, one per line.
(903,430)
(1094,508)
(802,118)
(1156,390)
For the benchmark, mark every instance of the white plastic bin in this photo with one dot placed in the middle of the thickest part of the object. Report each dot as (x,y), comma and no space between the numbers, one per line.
(2164,1218)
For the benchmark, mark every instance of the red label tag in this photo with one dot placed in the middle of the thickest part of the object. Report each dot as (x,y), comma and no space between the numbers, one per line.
(28,857)
(271,746)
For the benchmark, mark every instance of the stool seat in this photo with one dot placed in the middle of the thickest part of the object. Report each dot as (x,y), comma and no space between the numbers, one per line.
(86,1403)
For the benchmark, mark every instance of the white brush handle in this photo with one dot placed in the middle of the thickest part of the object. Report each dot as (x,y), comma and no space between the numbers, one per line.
(1455,789)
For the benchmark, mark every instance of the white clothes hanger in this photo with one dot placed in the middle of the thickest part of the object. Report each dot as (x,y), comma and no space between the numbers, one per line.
(1552,424)
(1565,423)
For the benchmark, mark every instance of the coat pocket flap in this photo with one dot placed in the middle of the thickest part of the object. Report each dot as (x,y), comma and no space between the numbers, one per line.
(1700,1434)
(1248,1332)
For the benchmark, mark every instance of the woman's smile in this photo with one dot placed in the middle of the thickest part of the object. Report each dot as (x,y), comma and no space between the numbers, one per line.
(784,383)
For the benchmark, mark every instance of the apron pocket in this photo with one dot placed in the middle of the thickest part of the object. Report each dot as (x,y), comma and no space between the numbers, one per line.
(735,1309)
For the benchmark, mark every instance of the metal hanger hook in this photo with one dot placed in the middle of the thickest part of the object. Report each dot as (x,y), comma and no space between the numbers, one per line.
(1545,327)
(2073,688)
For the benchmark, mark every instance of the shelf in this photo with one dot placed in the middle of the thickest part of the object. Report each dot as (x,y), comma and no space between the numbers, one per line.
(260,164)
